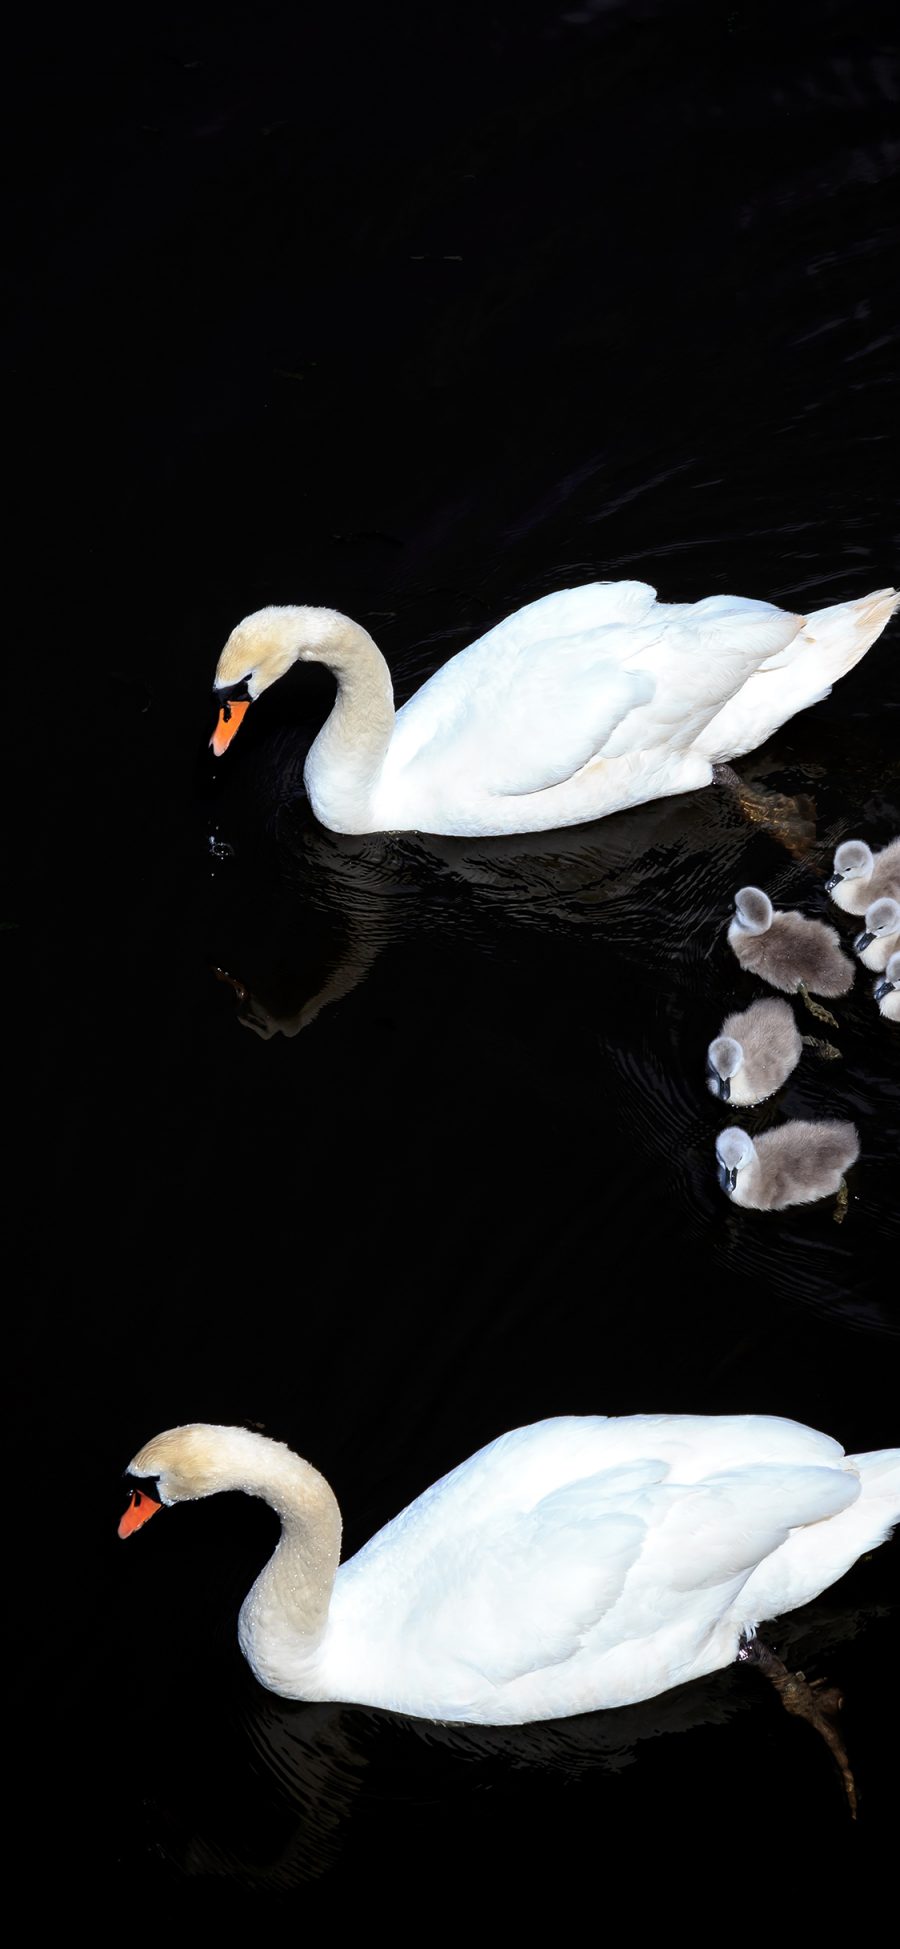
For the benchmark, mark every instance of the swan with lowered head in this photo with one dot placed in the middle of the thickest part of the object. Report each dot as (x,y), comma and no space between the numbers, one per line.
(797,1164)
(754,1052)
(577,1563)
(880,936)
(861,876)
(887,990)
(580,704)
(787,950)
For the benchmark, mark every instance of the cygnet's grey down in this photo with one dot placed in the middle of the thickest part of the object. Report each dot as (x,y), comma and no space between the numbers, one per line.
(794,1165)
(787,950)
(753,1053)
(861,876)
(887,990)
(880,936)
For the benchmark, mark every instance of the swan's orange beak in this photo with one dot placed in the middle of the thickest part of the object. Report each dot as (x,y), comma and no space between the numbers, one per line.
(139,1511)
(230,718)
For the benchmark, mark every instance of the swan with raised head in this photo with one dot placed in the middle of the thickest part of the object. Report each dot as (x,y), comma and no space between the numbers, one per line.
(887,990)
(577,1563)
(861,876)
(880,936)
(580,704)
(797,1164)
(754,1052)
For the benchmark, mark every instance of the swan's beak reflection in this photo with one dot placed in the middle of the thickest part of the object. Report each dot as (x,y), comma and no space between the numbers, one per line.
(230,718)
(139,1511)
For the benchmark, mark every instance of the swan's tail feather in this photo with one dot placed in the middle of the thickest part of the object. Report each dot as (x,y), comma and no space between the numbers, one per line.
(842,634)
(830,643)
(878,1508)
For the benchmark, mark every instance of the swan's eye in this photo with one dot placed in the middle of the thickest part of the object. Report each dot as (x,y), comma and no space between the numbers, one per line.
(229,694)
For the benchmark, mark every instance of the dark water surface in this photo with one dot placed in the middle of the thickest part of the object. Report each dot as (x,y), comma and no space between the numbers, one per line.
(423,314)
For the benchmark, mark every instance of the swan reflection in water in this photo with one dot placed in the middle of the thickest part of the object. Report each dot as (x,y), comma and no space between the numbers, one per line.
(643,877)
(333,1773)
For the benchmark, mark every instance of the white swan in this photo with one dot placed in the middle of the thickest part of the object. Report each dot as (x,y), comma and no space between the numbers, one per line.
(576,1563)
(580,704)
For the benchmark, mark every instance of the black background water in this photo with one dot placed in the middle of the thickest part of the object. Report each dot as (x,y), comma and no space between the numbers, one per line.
(422,314)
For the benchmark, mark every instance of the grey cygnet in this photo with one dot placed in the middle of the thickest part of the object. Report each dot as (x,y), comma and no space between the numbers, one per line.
(753,1053)
(794,1165)
(861,876)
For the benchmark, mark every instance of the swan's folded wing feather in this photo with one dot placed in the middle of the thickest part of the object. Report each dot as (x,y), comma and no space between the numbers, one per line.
(538,1588)
(535,699)
(723,1528)
(520,1589)
(526,721)
(612,1558)
(762,629)
(568,612)
(700,658)
(602,671)
(559,713)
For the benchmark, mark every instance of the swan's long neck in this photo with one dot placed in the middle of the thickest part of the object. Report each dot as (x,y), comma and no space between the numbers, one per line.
(285,1615)
(345,762)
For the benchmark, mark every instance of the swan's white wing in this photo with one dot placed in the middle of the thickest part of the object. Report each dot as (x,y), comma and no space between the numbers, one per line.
(611,1559)
(613,1544)
(719,1530)
(599,671)
(532,701)
(701,658)
(557,709)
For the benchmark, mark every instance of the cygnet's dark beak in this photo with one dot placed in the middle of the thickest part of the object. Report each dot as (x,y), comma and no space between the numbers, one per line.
(724,1088)
(835,881)
(727,1178)
(862,941)
(884,988)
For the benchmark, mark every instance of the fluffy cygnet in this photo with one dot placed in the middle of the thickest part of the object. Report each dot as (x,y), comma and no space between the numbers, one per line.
(753,1053)
(861,876)
(788,951)
(887,990)
(880,936)
(794,1165)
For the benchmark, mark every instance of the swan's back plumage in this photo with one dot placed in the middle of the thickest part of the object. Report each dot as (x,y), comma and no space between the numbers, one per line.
(601,672)
(578,1562)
